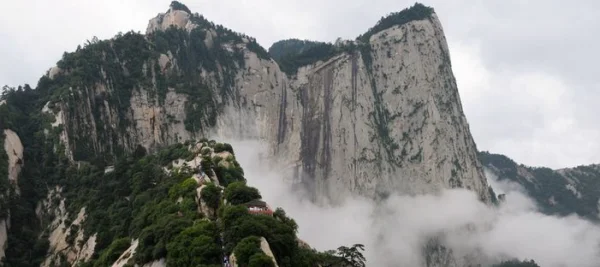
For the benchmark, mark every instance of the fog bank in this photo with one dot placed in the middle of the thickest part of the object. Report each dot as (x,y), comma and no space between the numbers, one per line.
(394,230)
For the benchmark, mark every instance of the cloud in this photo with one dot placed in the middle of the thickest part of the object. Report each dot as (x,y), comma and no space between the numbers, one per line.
(394,231)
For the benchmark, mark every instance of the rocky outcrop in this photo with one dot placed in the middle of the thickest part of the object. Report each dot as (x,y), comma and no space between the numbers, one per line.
(172,18)
(67,239)
(203,208)
(14,150)
(127,255)
(264,246)
(233,260)
(53,72)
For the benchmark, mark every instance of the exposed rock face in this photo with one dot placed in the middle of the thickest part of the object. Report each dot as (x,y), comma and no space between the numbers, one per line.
(158,263)
(14,150)
(127,255)
(386,119)
(394,125)
(202,206)
(175,18)
(264,246)
(66,238)
(52,72)
(3,238)
(233,260)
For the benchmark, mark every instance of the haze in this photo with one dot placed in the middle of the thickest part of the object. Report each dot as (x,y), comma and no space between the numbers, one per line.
(395,230)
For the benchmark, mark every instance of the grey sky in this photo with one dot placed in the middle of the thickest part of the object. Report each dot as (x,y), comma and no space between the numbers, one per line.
(526,69)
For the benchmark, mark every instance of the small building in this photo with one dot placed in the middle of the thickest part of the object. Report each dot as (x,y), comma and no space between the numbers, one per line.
(259,207)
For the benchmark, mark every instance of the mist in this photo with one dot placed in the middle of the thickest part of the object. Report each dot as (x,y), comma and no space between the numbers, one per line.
(395,230)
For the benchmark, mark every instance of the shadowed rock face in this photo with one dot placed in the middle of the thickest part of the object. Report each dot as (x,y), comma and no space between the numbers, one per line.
(383,117)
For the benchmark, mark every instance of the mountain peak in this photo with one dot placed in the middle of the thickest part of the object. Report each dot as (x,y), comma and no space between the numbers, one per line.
(416,12)
(178,15)
(176,5)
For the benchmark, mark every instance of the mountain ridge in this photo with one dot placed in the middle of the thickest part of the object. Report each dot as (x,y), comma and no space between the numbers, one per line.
(561,192)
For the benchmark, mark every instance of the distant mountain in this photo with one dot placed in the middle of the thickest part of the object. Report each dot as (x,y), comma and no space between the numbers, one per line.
(560,192)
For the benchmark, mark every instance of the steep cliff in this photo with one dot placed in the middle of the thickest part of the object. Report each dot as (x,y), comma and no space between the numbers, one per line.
(382,116)
(374,116)
(167,86)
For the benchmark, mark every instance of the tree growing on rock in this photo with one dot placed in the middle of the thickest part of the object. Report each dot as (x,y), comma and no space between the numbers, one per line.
(352,256)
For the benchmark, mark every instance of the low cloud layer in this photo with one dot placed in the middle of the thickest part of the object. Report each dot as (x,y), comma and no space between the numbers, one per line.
(394,231)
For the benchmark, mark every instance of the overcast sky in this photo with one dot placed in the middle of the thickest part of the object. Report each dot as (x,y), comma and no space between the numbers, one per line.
(525,69)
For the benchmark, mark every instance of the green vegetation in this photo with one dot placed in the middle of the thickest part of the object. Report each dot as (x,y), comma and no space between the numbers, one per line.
(139,200)
(21,114)
(227,170)
(239,193)
(544,184)
(290,47)
(99,79)
(291,62)
(260,260)
(247,248)
(211,195)
(291,54)
(197,245)
(113,252)
(417,12)
(352,256)
(260,51)
(220,147)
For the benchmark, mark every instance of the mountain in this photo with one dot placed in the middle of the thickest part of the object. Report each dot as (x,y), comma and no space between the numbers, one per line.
(556,192)
(373,116)
(380,114)
(90,150)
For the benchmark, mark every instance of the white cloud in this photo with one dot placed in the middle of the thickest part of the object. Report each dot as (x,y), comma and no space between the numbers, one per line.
(393,231)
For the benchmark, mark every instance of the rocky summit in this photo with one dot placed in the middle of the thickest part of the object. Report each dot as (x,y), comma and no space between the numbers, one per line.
(106,163)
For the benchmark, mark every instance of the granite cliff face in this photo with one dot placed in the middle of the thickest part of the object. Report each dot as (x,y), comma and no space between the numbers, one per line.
(375,116)
(382,121)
